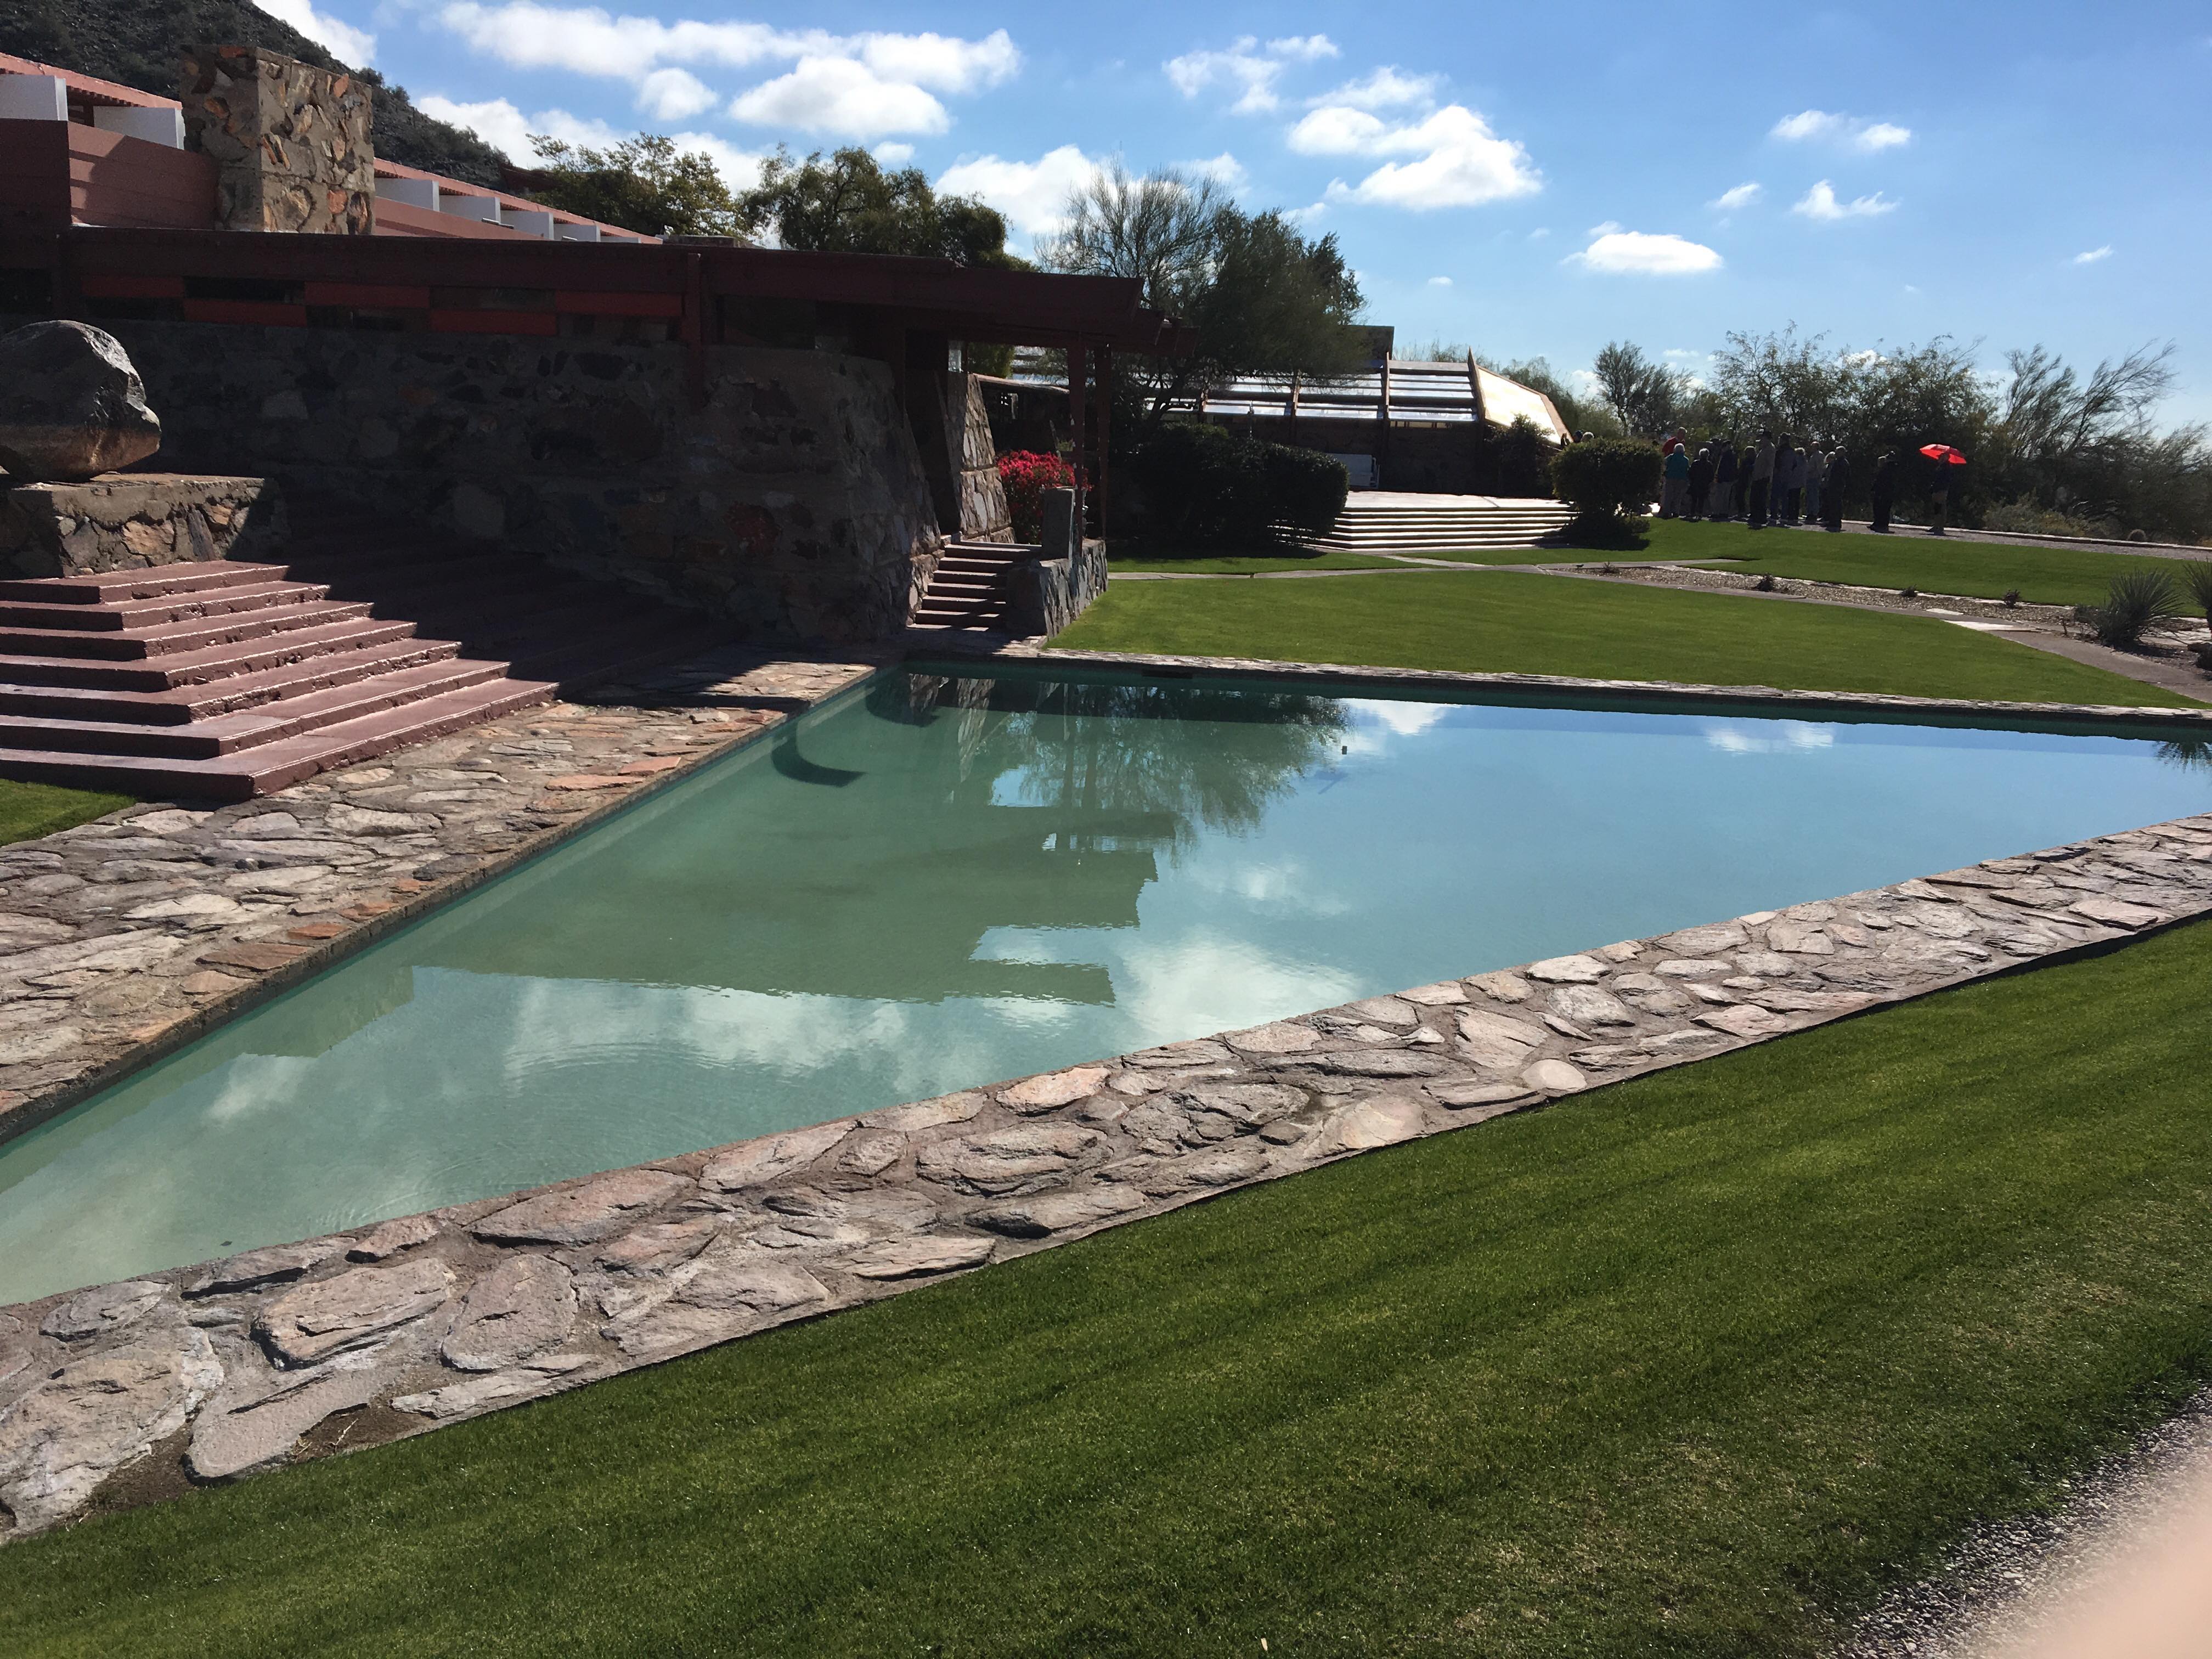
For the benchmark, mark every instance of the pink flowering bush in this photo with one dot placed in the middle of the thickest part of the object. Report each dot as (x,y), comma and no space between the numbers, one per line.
(1026,475)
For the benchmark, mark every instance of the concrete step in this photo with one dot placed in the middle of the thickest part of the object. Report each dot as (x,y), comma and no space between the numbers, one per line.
(275,765)
(128,585)
(167,639)
(205,700)
(216,663)
(115,616)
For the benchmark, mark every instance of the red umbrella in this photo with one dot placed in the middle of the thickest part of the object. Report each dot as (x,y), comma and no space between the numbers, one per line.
(1943,453)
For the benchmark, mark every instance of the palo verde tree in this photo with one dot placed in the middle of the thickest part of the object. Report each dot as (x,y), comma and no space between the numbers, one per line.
(1264,299)
(642,183)
(847,203)
(1646,397)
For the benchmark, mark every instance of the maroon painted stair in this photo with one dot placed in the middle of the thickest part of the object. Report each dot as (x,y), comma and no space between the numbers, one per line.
(973,586)
(226,680)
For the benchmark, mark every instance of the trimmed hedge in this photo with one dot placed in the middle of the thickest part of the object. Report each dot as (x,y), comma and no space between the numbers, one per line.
(1205,484)
(1609,481)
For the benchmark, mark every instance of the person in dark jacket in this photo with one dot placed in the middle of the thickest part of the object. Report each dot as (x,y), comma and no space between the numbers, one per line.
(1833,482)
(1722,503)
(1701,483)
(1884,488)
(1946,493)
(1761,471)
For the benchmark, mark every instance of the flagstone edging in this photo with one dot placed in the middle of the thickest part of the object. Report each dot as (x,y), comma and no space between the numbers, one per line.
(941,648)
(136,1390)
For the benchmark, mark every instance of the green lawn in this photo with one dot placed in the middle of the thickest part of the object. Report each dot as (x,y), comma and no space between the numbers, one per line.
(30,809)
(1693,1366)
(1148,555)
(2043,576)
(1533,624)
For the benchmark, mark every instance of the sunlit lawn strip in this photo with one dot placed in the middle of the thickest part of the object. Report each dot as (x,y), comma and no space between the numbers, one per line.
(1988,570)
(1509,621)
(31,809)
(1696,1365)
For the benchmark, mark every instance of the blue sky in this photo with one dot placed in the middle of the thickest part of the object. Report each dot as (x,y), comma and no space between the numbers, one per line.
(1530,179)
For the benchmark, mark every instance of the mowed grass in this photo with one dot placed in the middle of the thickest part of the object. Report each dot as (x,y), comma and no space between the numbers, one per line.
(1934,564)
(1698,1364)
(1135,556)
(28,810)
(1512,622)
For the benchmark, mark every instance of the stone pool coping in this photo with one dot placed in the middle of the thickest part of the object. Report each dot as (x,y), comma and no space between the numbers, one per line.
(942,647)
(125,939)
(136,1391)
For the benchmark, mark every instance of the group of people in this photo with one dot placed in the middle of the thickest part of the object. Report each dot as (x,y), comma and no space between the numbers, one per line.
(1766,483)
(1771,481)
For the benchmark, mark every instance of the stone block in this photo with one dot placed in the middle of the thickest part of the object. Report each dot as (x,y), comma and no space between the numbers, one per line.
(72,403)
(135,520)
(291,140)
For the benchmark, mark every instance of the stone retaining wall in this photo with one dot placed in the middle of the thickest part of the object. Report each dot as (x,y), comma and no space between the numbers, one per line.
(792,502)
(132,520)
(1051,593)
(221,1369)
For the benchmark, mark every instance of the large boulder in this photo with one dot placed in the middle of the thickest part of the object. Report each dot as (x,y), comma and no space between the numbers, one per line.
(71,406)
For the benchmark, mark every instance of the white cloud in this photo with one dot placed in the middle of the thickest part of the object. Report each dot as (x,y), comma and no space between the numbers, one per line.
(1821,203)
(1742,195)
(353,45)
(506,128)
(503,126)
(2093,255)
(1460,161)
(1387,88)
(843,97)
(1681,357)
(1540,232)
(1616,251)
(892,154)
(1247,66)
(1224,169)
(1819,127)
(1031,194)
(740,168)
(853,86)
(1440,282)
(674,94)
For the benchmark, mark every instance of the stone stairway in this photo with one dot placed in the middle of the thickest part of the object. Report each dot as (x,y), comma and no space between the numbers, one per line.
(229,679)
(1436,525)
(973,586)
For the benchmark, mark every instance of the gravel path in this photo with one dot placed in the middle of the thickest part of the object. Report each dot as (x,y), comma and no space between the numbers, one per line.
(2117,1569)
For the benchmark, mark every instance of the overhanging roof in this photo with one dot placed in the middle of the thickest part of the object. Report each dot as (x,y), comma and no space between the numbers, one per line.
(963,301)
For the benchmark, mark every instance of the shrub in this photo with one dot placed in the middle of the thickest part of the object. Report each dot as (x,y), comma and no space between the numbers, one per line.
(1206,485)
(1308,488)
(2199,583)
(1026,475)
(2134,602)
(2028,517)
(2011,597)
(1610,482)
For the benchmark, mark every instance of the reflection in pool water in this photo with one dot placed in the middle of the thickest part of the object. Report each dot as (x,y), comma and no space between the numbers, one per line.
(942,882)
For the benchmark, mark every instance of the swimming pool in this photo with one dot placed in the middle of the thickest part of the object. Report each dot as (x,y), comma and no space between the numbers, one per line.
(938,881)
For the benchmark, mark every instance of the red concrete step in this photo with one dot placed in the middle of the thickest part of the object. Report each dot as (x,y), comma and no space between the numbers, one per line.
(170,639)
(275,765)
(123,584)
(225,733)
(204,700)
(114,616)
(215,662)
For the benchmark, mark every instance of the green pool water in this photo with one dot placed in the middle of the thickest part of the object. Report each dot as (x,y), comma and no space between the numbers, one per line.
(937,882)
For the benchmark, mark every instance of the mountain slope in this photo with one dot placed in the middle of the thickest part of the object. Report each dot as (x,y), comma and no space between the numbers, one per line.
(139,43)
